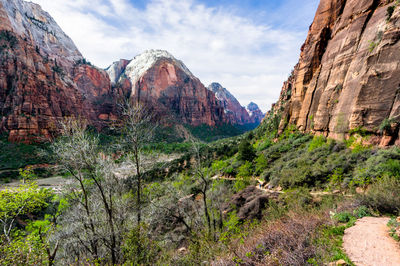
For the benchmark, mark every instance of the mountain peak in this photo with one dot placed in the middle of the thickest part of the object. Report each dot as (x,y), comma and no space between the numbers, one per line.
(138,66)
(252,107)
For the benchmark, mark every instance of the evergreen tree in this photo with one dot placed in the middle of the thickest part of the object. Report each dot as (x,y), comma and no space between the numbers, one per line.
(246,151)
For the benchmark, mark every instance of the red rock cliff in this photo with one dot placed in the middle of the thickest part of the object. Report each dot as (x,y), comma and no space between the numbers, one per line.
(165,84)
(42,78)
(348,75)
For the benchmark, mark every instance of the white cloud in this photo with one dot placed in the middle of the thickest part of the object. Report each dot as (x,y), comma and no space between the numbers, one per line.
(251,60)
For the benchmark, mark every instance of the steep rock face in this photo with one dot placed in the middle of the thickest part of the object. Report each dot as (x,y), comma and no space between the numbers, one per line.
(38,63)
(170,89)
(255,113)
(348,75)
(234,112)
(116,70)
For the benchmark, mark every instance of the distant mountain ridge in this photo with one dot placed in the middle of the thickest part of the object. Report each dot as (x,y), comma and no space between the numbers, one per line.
(234,110)
(44,78)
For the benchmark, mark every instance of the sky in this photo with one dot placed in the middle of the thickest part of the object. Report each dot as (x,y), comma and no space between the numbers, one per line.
(249,47)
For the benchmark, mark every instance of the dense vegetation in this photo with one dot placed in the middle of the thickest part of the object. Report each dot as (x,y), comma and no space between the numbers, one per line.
(135,201)
(14,156)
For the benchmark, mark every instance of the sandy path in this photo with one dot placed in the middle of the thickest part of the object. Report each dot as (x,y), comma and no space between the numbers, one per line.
(368,243)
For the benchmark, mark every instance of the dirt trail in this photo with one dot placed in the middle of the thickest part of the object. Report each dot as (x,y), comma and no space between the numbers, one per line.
(368,243)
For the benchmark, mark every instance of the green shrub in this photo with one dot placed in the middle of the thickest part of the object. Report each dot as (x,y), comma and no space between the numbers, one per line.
(317,142)
(139,248)
(297,198)
(336,179)
(246,151)
(261,164)
(389,12)
(384,195)
(361,212)
(386,125)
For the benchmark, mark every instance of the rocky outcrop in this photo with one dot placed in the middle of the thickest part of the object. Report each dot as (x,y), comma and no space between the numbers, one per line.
(348,75)
(255,113)
(235,113)
(249,203)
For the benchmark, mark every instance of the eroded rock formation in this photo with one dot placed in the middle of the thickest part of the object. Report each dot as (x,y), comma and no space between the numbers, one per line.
(348,75)
(40,70)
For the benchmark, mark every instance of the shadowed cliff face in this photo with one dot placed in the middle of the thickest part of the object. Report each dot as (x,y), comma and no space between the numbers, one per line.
(348,75)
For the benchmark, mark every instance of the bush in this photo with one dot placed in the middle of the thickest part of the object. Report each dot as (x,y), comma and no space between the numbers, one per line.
(297,198)
(384,195)
(261,164)
(246,151)
(343,217)
(361,212)
(317,142)
(389,12)
(138,248)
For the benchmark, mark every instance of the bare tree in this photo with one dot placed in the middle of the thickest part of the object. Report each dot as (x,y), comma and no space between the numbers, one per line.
(95,222)
(138,131)
(202,176)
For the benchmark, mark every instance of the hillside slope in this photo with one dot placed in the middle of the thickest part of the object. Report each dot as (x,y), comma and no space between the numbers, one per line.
(348,75)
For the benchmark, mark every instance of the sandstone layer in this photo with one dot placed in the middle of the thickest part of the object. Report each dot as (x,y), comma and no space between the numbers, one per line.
(348,75)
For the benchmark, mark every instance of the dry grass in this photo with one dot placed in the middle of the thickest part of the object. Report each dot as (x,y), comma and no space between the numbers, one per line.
(287,241)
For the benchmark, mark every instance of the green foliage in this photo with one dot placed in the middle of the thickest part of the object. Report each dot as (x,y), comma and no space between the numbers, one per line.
(243,178)
(27,174)
(18,155)
(139,248)
(389,12)
(168,148)
(246,170)
(261,164)
(246,151)
(372,46)
(23,250)
(361,212)
(317,142)
(386,125)
(23,200)
(381,163)
(384,195)
(394,227)
(330,239)
(359,131)
(298,198)
(336,178)
(343,217)
(231,228)
(210,133)
(219,166)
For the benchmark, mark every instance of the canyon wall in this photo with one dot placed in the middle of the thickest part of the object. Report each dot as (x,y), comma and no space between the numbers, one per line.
(348,75)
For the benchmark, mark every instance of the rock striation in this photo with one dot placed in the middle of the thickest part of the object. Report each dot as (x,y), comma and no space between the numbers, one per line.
(348,75)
